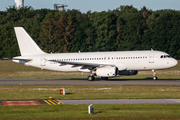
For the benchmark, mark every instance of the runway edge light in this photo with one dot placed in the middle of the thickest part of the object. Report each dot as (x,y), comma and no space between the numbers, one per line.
(50,97)
(90,109)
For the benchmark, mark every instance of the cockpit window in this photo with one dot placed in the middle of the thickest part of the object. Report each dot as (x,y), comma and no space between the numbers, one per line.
(165,56)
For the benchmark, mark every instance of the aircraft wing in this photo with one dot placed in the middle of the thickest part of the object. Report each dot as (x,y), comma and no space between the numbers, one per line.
(76,64)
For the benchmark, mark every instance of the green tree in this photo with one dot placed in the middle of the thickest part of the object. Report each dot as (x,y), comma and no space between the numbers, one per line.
(104,24)
(47,36)
(130,28)
(82,24)
(64,33)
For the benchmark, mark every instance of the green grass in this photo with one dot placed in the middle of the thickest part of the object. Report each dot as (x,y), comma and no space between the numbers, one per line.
(87,92)
(102,112)
(9,69)
(77,112)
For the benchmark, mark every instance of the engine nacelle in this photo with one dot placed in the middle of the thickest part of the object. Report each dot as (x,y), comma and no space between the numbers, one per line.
(107,71)
(128,72)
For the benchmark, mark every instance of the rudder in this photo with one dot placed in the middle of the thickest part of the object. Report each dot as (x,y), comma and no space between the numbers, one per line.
(26,44)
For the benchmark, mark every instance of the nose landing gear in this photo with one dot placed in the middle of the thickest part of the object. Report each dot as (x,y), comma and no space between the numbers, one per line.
(154,75)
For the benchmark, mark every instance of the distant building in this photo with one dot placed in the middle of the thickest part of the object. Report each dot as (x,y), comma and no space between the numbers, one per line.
(19,4)
(59,7)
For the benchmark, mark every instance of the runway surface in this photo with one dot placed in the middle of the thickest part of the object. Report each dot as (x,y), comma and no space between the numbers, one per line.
(123,101)
(105,101)
(84,82)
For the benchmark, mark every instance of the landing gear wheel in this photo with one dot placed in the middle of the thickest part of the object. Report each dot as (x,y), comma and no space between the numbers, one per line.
(154,75)
(154,78)
(91,78)
(104,78)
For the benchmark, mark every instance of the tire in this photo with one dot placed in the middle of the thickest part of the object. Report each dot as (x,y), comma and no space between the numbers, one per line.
(91,78)
(154,78)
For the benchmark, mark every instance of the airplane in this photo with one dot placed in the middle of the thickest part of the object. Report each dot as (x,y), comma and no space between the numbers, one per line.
(102,64)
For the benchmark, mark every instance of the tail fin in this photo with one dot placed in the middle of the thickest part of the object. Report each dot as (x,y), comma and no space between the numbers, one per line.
(26,44)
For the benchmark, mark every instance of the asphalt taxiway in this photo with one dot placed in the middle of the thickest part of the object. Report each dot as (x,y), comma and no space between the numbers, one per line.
(97,82)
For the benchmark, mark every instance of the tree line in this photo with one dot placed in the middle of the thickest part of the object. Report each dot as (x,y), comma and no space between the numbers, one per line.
(124,28)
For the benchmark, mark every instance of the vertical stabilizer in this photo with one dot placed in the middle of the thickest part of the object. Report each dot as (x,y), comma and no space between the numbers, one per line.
(26,44)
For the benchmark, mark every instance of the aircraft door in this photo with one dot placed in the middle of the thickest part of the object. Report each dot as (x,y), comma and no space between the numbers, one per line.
(151,57)
(43,61)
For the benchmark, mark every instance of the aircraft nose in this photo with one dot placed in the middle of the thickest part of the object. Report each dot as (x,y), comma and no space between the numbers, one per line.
(174,62)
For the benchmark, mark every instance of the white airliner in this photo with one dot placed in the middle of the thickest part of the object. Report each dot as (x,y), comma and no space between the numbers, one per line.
(103,64)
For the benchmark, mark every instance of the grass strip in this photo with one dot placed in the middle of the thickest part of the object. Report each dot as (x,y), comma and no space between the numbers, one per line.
(88,92)
(102,112)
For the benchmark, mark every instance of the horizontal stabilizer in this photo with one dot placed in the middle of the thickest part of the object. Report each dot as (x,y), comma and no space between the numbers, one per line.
(22,58)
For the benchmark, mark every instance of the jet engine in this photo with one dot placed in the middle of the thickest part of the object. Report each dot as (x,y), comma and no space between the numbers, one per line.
(128,72)
(107,71)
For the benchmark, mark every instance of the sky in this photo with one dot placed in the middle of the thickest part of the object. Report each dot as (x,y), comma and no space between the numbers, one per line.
(97,5)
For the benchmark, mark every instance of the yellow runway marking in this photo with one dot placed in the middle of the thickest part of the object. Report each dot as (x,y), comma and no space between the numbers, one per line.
(47,102)
(55,101)
(52,102)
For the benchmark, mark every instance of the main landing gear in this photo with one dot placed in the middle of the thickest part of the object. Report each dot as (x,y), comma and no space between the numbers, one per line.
(154,75)
(91,78)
